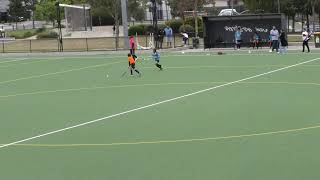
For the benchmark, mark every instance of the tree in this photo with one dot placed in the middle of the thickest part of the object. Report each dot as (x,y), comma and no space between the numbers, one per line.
(113,7)
(304,7)
(261,5)
(30,7)
(178,7)
(317,8)
(136,9)
(46,9)
(17,9)
(288,8)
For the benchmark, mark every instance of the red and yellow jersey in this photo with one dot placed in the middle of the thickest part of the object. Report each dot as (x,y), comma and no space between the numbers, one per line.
(131,60)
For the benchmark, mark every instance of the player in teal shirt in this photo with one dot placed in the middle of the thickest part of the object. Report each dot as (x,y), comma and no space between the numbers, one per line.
(238,39)
(156,58)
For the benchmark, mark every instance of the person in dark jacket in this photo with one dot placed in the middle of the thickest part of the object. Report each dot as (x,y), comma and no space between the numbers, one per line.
(283,42)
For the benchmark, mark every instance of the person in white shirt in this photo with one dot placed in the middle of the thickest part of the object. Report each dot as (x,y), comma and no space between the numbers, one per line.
(274,33)
(185,38)
(305,38)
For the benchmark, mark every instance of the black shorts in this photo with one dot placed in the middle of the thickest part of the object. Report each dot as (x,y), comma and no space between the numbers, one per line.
(133,66)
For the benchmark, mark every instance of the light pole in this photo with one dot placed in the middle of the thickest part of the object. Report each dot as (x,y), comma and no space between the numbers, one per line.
(33,8)
(166,1)
(155,20)
(279,7)
(60,41)
(196,17)
(313,15)
(124,11)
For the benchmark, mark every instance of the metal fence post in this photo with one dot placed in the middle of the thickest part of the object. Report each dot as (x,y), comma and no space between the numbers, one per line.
(30,47)
(115,43)
(174,41)
(2,46)
(87,44)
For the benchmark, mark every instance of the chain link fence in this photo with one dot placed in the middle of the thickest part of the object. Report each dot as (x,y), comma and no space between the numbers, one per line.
(83,44)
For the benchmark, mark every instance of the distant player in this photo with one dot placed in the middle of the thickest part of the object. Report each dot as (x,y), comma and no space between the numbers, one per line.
(256,40)
(132,64)
(238,38)
(275,39)
(168,33)
(156,58)
(305,38)
(132,45)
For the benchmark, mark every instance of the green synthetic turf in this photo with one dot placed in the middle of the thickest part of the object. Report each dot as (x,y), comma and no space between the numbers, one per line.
(254,126)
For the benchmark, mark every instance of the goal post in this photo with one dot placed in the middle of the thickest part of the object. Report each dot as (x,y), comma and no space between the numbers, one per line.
(77,17)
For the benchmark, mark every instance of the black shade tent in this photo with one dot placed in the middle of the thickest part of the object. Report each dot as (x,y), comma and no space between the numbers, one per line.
(219,30)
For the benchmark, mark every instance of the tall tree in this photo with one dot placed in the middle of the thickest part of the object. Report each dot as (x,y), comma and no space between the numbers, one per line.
(304,8)
(317,8)
(113,7)
(288,8)
(261,5)
(30,8)
(46,9)
(17,9)
(136,9)
(178,7)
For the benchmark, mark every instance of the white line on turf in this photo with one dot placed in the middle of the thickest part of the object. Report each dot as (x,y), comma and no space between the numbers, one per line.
(13,60)
(155,104)
(45,59)
(59,72)
(150,85)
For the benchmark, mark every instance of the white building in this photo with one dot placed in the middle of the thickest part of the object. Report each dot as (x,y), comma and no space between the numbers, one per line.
(164,12)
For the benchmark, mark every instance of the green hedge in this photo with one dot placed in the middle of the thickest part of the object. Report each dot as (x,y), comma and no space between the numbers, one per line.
(47,35)
(143,29)
(186,28)
(22,34)
(39,30)
(191,21)
(175,24)
(138,29)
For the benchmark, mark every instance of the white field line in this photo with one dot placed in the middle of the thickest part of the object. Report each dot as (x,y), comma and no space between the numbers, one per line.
(145,85)
(155,104)
(13,60)
(176,54)
(59,72)
(45,59)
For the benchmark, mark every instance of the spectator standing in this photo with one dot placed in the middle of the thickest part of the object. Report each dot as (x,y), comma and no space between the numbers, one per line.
(132,45)
(305,38)
(275,39)
(256,40)
(160,38)
(169,34)
(283,42)
(238,38)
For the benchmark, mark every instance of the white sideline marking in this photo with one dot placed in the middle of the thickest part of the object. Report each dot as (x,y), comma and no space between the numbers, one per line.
(155,104)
